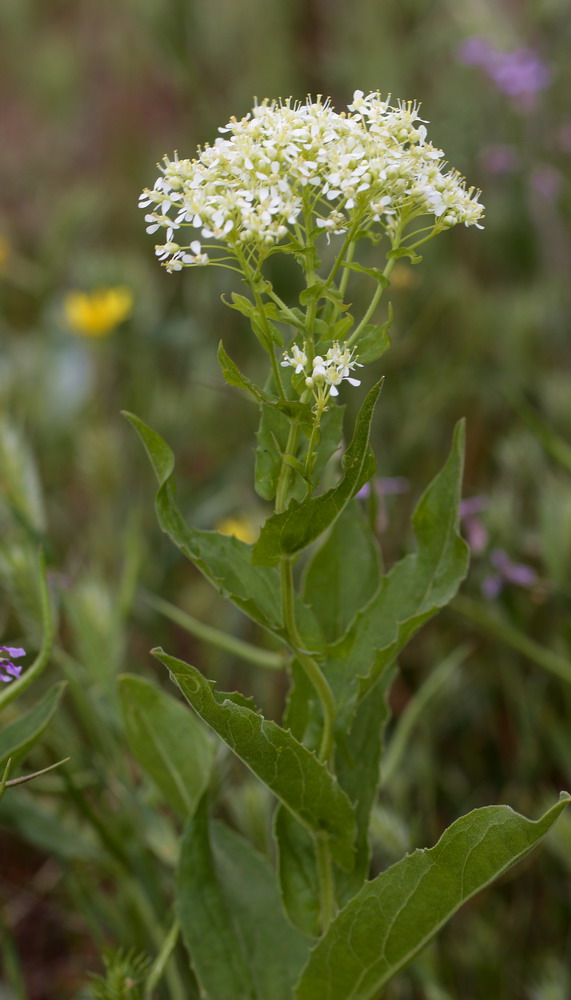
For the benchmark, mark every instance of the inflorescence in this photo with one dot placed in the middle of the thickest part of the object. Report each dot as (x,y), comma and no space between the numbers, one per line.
(287,164)
(10,671)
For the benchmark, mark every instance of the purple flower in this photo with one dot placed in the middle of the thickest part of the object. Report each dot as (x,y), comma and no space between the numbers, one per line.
(9,670)
(499,158)
(476,533)
(546,182)
(507,572)
(519,74)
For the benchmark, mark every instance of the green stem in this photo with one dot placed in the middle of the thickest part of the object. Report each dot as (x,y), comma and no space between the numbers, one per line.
(294,320)
(269,340)
(282,487)
(215,637)
(372,306)
(250,277)
(326,884)
(158,967)
(308,664)
(345,276)
(490,622)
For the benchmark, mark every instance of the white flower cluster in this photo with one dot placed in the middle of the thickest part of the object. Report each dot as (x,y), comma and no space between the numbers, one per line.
(286,162)
(324,374)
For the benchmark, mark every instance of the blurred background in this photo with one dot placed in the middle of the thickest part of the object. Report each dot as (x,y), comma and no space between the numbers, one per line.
(93,94)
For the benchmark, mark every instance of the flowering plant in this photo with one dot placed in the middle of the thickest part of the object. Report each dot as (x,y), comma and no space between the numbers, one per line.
(303,180)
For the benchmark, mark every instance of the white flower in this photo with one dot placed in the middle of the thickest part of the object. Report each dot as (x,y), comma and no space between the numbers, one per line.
(247,188)
(297,360)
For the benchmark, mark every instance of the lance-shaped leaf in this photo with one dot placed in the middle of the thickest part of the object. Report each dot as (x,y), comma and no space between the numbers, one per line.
(170,744)
(291,771)
(240,943)
(411,593)
(343,574)
(393,917)
(225,561)
(358,763)
(235,377)
(297,872)
(20,736)
(294,529)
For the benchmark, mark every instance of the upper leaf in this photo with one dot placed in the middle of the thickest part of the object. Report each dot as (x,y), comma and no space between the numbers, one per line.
(411,593)
(294,529)
(224,560)
(170,744)
(343,574)
(393,917)
(290,770)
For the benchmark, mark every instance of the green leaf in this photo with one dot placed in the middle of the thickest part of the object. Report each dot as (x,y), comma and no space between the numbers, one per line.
(343,574)
(291,771)
(234,376)
(404,252)
(321,290)
(375,340)
(393,917)
(225,561)
(17,738)
(358,762)
(272,438)
(272,441)
(297,871)
(48,830)
(294,529)
(240,943)
(411,593)
(168,741)
(373,272)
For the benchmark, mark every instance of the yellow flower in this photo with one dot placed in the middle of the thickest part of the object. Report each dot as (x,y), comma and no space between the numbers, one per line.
(5,250)
(240,527)
(97,313)
(403,278)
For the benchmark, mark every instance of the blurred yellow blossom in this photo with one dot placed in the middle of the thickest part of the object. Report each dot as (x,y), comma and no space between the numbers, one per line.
(97,313)
(5,250)
(403,278)
(240,527)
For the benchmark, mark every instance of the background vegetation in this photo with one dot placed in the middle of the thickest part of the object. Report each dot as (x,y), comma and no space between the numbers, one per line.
(93,95)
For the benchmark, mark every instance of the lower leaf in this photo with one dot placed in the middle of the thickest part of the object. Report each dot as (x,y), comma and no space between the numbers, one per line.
(241,945)
(393,917)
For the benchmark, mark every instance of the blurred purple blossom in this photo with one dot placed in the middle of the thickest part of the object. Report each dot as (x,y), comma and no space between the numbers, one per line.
(476,532)
(506,572)
(499,158)
(519,74)
(8,670)
(546,182)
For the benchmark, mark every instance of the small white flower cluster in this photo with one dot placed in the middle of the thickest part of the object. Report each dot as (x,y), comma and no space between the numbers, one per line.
(324,374)
(284,159)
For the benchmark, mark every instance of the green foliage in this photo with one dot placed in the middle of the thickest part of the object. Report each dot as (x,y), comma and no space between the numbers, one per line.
(20,736)
(411,593)
(168,742)
(271,445)
(125,974)
(379,932)
(343,574)
(225,561)
(239,941)
(288,768)
(289,532)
